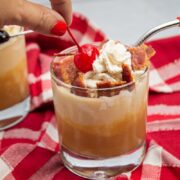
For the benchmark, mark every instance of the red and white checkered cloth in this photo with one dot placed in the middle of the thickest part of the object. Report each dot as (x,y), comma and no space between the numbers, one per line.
(30,149)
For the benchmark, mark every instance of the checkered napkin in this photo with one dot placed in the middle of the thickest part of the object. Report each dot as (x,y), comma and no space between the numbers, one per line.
(30,149)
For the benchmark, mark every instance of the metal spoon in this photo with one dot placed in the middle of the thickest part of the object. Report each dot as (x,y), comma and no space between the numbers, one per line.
(157,29)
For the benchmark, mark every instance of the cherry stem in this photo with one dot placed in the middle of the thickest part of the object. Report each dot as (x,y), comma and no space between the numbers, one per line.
(70,33)
(63,54)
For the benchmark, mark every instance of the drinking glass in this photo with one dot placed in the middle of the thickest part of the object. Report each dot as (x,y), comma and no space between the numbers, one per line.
(14,92)
(102,132)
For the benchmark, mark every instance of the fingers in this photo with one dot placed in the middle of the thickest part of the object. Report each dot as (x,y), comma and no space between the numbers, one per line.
(41,19)
(64,7)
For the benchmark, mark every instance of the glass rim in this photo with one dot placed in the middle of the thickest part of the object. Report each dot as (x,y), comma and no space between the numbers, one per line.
(88,88)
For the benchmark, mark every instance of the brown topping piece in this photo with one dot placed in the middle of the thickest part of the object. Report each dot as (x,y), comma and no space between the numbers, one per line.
(108,84)
(65,70)
(126,73)
(79,82)
(141,56)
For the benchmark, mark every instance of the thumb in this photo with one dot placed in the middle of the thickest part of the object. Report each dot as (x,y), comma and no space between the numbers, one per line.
(41,19)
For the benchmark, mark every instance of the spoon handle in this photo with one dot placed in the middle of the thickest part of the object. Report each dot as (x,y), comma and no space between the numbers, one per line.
(157,29)
(22,33)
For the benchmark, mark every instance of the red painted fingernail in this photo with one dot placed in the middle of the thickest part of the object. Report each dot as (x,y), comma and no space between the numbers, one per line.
(59,28)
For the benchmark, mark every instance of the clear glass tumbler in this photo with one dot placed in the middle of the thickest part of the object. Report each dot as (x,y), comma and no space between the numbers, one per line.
(14,92)
(104,134)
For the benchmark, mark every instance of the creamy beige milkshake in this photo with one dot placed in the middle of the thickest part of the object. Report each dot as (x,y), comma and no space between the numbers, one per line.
(13,71)
(101,114)
(105,126)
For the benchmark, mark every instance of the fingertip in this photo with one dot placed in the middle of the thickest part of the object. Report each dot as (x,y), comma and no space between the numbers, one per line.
(42,19)
(64,8)
(69,18)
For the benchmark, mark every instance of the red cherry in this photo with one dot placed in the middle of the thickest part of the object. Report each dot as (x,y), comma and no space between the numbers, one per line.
(85,57)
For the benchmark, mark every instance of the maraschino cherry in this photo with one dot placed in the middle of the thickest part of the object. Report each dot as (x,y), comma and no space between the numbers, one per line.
(86,55)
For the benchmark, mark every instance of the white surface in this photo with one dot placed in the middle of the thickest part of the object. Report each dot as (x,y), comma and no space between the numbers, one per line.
(127,20)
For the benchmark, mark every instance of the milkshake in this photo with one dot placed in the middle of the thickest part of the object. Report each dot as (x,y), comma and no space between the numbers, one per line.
(101,113)
(13,78)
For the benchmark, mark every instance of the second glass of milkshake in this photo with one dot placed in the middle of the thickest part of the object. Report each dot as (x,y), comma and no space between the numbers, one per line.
(14,91)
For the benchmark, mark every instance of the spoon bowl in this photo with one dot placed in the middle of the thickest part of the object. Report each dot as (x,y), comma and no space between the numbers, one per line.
(4,36)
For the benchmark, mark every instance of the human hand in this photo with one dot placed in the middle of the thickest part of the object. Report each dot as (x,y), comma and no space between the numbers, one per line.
(37,17)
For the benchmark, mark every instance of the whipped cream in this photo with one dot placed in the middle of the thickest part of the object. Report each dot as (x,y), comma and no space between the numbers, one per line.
(12,29)
(108,65)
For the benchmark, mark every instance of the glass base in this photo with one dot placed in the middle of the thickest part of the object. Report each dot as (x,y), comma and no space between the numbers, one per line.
(102,168)
(15,114)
